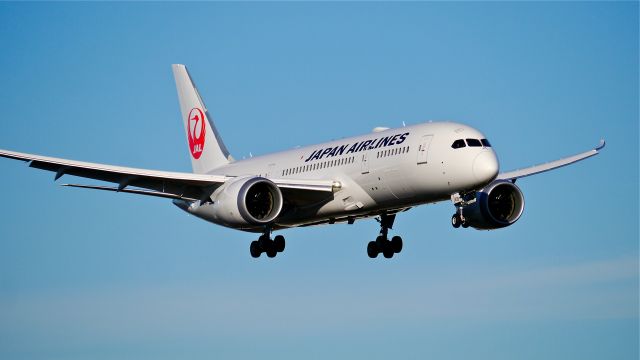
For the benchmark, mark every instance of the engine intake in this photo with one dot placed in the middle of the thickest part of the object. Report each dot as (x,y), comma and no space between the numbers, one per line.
(247,202)
(260,200)
(498,205)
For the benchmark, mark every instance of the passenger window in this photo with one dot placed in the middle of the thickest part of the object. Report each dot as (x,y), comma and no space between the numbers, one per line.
(485,142)
(474,142)
(458,144)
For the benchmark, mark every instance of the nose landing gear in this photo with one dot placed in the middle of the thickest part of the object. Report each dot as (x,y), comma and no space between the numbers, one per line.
(460,201)
(382,244)
(458,220)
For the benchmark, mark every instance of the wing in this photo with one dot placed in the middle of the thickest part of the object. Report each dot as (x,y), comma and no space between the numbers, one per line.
(516,174)
(174,185)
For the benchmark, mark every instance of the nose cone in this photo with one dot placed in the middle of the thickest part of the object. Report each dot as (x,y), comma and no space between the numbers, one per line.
(485,167)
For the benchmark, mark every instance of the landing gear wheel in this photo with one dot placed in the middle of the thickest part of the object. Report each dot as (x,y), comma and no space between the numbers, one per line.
(271,252)
(382,243)
(465,224)
(456,221)
(372,249)
(255,249)
(387,252)
(278,243)
(264,242)
(396,244)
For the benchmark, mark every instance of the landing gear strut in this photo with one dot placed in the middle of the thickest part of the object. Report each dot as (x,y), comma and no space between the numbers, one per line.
(458,220)
(460,201)
(382,244)
(265,244)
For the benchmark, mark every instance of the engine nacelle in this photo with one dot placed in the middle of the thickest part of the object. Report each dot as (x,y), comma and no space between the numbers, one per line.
(246,202)
(498,205)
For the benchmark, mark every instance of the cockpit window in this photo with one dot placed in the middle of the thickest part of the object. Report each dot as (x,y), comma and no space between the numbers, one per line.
(458,144)
(474,142)
(485,143)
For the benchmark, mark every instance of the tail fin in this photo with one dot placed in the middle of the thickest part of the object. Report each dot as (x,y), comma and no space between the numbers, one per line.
(205,144)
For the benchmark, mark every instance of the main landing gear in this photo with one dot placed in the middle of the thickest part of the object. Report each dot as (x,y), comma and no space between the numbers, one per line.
(265,244)
(382,244)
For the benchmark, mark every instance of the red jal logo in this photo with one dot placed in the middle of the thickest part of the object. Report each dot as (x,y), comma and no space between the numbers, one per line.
(196,131)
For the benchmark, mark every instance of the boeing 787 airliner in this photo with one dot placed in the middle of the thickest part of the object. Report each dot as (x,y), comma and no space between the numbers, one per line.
(379,174)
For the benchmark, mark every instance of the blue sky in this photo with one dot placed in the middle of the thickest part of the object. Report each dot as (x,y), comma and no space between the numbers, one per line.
(113,276)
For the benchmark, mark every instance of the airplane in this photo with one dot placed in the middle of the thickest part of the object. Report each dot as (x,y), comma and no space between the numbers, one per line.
(379,175)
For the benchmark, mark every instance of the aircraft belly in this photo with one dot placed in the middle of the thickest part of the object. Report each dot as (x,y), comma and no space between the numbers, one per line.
(399,183)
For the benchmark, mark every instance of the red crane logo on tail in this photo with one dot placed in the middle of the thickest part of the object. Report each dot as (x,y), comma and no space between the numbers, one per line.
(196,130)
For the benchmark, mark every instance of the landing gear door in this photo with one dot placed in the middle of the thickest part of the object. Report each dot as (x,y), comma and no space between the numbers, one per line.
(423,149)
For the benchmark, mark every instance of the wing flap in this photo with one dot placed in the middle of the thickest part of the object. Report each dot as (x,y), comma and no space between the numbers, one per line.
(312,185)
(132,191)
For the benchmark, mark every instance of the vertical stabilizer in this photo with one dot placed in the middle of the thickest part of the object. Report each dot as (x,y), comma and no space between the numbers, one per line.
(206,149)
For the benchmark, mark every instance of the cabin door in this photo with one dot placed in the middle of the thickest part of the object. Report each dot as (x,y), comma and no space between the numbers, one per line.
(423,149)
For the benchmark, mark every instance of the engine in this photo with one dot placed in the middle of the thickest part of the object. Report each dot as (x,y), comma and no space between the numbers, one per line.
(498,205)
(246,202)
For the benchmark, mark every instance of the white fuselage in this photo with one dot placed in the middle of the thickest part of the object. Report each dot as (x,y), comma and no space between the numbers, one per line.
(388,170)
